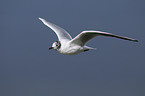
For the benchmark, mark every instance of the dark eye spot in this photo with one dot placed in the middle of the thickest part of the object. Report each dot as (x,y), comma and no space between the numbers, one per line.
(57,44)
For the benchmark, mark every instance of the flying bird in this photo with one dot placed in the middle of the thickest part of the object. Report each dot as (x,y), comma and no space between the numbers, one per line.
(71,46)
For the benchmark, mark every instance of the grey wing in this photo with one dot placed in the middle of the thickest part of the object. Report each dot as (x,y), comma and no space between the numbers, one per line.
(60,32)
(85,36)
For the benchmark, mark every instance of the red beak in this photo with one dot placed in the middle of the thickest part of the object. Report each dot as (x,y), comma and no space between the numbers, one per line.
(50,48)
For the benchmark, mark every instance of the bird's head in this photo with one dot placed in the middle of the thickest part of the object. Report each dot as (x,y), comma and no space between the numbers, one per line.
(56,45)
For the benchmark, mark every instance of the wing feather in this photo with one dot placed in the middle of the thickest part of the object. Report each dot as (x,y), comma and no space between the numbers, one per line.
(85,36)
(60,32)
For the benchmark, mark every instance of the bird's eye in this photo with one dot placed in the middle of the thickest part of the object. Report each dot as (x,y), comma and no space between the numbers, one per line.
(57,44)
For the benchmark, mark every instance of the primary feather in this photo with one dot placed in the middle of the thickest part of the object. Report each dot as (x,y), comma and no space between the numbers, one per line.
(85,36)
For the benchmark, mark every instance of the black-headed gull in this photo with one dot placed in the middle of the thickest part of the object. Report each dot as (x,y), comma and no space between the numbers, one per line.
(67,45)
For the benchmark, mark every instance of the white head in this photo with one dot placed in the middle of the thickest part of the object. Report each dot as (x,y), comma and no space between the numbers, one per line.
(56,45)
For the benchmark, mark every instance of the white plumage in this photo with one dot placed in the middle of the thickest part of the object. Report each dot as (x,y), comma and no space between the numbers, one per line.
(67,45)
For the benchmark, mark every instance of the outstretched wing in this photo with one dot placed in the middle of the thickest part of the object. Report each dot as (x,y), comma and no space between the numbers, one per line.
(85,36)
(60,32)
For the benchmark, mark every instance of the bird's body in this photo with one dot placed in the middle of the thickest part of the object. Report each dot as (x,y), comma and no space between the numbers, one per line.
(67,45)
(69,48)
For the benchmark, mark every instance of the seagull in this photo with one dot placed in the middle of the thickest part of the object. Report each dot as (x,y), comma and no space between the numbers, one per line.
(72,46)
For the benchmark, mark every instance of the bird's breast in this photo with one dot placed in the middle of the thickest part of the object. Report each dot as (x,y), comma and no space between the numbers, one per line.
(71,50)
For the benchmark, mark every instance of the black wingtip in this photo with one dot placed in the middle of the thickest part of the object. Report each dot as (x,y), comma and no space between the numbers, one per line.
(135,40)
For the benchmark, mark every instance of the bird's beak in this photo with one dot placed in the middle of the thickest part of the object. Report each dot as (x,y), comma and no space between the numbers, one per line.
(50,48)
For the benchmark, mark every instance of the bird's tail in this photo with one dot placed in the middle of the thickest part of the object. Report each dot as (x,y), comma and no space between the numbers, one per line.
(87,47)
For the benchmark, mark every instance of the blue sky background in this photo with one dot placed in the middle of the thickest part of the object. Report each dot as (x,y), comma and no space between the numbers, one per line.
(28,68)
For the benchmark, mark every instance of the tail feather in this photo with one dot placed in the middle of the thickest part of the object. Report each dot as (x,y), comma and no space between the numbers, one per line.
(87,47)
